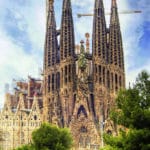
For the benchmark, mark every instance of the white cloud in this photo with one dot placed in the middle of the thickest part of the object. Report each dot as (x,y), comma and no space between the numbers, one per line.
(15,62)
(35,17)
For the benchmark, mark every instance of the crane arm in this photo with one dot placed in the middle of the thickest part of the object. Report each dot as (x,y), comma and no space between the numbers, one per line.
(121,12)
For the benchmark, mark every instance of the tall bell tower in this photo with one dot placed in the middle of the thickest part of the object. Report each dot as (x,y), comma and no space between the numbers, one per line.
(52,104)
(116,56)
(67,61)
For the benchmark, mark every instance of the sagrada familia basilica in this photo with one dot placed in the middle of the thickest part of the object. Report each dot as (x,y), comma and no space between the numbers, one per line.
(78,85)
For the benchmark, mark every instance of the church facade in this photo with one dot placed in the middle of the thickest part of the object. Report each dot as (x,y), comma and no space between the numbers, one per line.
(80,85)
(79,82)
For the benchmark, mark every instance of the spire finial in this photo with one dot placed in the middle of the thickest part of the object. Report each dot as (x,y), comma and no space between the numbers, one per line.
(114,3)
(51,1)
(50,5)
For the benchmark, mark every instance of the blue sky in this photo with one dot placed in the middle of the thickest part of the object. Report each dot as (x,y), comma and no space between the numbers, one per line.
(22,33)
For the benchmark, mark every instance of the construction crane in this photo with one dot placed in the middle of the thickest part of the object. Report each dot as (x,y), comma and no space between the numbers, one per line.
(121,12)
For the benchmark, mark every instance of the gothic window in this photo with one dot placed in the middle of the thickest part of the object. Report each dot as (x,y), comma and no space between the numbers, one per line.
(49,56)
(62,77)
(116,82)
(95,68)
(120,81)
(58,80)
(115,56)
(61,54)
(35,117)
(112,80)
(69,74)
(88,103)
(109,132)
(92,104)
(82,110)
(74,101)
(108,79)
(69,49)
(104,75)
(100,78)
(65,52)
(49,100)
(103,52)
(65,74)
(49,82)
(95,73)
(53,81)
(58,55)
(83,129)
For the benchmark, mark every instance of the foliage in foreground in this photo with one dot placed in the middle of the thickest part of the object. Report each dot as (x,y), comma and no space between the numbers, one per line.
(133,112)
(49,137)
(26,147)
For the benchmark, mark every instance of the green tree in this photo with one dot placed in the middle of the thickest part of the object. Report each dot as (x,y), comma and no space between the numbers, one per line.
(132,112)
(49,137)
(25,147)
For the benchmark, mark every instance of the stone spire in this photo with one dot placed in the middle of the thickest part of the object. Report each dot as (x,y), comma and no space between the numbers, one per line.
(115,39)
(67,43)
(51,43)
(99,31)
(51,72)
(114,3)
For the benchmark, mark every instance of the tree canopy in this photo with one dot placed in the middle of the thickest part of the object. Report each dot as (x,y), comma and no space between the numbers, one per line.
(49,137)
(133,113)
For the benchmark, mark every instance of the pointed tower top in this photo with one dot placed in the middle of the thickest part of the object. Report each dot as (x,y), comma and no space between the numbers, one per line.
(51,2)
(67,32)
(66,4)
(99,4)
(51,43)
(51,13)
(99,31)
(114,13)
(114,3)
